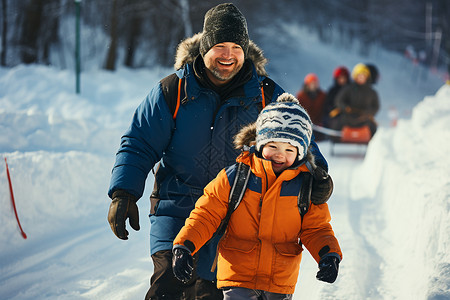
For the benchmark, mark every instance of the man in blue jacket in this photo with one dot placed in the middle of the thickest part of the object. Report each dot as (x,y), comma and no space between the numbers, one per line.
(187,124)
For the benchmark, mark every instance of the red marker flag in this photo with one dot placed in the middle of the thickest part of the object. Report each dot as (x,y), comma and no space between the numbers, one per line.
(12,200)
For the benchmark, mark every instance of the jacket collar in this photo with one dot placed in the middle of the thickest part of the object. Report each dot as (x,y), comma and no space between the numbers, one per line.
(250,89)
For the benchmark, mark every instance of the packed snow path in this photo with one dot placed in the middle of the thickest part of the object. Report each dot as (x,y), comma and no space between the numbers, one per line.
(390,210)
(359,271)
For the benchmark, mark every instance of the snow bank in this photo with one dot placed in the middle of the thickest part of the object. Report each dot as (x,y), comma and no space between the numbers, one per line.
(406,176)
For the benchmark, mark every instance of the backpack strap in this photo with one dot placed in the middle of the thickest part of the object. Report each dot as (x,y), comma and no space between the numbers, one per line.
(236,194)
(172,88)
(267,89)
(304,195)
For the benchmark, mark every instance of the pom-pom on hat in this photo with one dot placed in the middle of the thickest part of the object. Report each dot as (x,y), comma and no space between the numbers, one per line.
(284,121)
(224,23)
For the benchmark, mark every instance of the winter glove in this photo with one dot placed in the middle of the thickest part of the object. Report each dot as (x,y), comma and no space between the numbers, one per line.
(123,206)
(322,186)
(328,269)
(182,264)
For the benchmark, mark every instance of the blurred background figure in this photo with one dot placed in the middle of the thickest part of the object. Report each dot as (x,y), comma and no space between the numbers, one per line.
(312,98)
(341,77)
(356,103)
(374,73)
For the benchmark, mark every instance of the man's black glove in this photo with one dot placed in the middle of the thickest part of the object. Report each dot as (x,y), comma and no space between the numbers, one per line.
(182,264)
(123,206)
(328,269)
(322,186)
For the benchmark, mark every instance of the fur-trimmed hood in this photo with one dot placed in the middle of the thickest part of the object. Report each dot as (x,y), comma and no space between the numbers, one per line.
(246,137)
(189,49)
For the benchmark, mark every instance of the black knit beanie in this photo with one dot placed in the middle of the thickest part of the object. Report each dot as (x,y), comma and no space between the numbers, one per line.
(224,23)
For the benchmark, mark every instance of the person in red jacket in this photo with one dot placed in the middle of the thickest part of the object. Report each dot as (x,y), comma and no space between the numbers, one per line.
(341,78)
(312,98)
(259,255)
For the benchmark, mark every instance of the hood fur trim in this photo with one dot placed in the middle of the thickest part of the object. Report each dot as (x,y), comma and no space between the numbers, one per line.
(247,137)
(189,49)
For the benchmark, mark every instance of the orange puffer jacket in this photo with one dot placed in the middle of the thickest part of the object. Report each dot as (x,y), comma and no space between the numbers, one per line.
(260,249)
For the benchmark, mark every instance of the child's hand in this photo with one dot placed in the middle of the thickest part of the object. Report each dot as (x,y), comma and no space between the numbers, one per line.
(182,264)
(328,269)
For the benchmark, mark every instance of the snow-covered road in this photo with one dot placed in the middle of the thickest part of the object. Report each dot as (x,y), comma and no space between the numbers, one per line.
(390,209)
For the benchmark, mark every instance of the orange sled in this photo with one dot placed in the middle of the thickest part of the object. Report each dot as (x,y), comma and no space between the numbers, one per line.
(356,135)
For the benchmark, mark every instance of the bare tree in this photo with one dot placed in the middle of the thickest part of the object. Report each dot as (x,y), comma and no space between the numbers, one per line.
(147,32)
(112,50)
(30,31)
(4,33)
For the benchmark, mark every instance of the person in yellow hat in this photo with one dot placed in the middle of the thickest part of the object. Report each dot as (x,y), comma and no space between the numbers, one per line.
(357,103)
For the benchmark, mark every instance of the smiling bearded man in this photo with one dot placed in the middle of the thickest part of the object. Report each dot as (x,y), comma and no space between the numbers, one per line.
(186,123)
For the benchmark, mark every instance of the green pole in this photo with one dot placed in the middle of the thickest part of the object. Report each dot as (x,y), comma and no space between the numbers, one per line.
(77,46)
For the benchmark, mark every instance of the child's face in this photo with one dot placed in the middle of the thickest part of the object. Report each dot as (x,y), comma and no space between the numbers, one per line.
(281,154)
(361,78)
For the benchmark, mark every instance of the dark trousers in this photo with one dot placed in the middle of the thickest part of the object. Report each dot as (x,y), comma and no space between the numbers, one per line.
(164,285)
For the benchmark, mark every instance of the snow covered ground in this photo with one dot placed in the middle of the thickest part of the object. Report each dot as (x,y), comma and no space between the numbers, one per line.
(391,208)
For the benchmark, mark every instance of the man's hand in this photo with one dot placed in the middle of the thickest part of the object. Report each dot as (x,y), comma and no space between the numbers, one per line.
(182,264)
(328,269)
(123,206)
(322,186)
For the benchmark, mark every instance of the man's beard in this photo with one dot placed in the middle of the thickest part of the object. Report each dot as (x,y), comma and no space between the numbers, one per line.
(224,76)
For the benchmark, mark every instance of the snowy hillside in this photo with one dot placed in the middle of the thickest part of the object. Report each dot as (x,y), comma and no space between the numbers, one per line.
(391,209)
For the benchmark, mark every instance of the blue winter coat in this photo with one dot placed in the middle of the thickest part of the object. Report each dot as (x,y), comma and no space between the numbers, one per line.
(192,149)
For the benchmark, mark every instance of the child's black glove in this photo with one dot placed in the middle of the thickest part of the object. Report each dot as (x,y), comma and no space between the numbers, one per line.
(182,264)
(322,186)
(328,269)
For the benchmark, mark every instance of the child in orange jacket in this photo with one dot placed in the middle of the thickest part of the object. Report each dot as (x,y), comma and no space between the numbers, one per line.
(261,250)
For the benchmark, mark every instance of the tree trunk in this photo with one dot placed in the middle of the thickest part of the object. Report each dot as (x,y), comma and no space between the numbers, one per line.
(133,36)
(4,33)
(30,32)
(112,51)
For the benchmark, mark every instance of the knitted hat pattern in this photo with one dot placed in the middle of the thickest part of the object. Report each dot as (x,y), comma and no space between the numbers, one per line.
(284,121)
(224,23)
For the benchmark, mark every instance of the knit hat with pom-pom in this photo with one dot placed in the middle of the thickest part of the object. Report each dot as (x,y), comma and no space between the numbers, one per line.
(284,121)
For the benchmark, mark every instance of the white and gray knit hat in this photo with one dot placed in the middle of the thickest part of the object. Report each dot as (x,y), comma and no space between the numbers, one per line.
(284,121)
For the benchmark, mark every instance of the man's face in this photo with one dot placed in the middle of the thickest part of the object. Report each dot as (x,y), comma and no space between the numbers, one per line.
(223,61)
